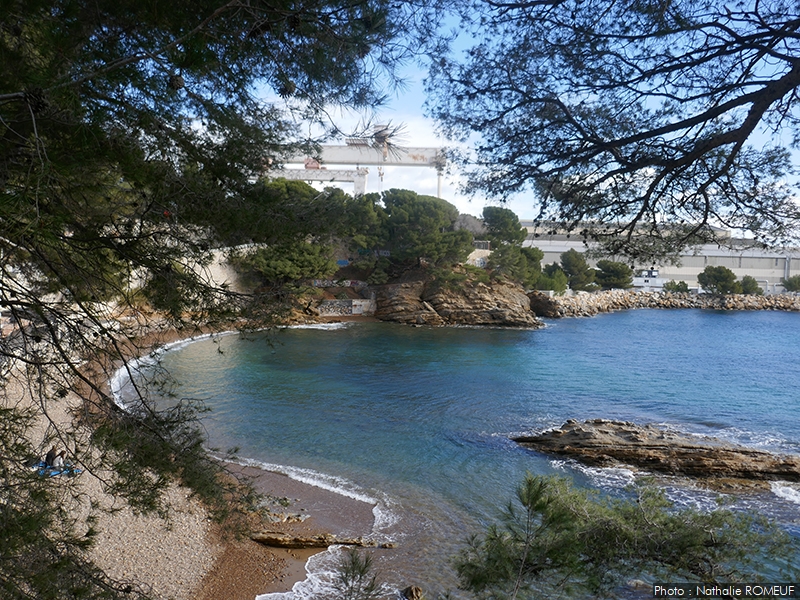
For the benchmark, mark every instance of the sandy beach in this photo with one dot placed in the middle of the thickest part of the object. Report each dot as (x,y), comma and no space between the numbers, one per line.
(188,556)
(245,567)
(192,558)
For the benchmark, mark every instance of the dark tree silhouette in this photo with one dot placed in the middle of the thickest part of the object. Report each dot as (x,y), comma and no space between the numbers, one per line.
(639,123)
(131,138)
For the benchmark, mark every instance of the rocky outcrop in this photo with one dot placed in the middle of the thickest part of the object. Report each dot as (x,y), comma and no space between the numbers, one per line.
(475,303)
(543,305)
(425,302)
(403,303)
(279,539)
(585,304)
(605,443)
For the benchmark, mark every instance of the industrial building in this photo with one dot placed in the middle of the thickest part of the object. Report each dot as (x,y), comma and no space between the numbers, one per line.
(768,267)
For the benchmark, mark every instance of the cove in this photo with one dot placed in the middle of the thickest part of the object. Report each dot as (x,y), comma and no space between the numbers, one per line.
(420,418)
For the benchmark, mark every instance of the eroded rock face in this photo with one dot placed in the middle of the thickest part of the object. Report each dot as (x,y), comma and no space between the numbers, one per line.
(500,304)
(403,303)
(470,303)
(543,305)
(605,443)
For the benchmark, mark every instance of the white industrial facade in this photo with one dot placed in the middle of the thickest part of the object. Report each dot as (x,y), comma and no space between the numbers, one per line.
(768,267)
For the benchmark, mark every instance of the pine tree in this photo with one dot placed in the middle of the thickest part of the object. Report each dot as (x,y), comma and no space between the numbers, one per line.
(556,539)
(132,136)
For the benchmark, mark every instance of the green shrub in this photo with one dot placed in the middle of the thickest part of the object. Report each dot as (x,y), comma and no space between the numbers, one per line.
(719,280)
(676,286)
(750,286)
(557,539)
(613,275)
(356,579)
(792,284)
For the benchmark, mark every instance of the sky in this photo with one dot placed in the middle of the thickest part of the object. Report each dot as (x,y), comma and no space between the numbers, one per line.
(406,109)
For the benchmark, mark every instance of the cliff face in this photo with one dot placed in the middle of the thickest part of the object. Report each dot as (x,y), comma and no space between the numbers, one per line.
(423,302)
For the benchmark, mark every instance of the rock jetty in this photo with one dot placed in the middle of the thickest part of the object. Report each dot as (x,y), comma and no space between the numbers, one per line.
(606,443)
(584,304)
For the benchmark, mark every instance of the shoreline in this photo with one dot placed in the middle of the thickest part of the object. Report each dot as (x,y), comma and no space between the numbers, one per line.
(248,570)
(239,568)
(282,480)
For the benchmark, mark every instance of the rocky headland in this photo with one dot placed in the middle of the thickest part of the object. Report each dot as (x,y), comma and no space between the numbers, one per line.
(606,443)
(584,304)
(429,302)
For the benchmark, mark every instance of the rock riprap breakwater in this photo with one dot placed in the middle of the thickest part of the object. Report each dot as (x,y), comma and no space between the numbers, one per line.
(589,304)
(606,443)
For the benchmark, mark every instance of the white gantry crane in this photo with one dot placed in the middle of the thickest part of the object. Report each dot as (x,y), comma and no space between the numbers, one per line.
(374,150)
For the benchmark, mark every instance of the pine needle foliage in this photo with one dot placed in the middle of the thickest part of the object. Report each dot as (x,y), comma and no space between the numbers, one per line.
(356,579)
(558,540)
(132,141)
(639,125)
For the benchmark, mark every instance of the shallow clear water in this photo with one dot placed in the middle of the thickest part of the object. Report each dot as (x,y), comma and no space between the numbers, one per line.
(420,419)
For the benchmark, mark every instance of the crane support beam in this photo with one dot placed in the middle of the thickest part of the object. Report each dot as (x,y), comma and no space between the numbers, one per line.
(357,176)
(366,154)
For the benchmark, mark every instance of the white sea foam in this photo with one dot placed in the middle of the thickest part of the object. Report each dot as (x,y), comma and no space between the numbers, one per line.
(689,496)
(787,491)
(123,389)
(383,513)
(617,478)
(121,384)
(322,573)
(767,440)
(609,477)
(321,326)
(322,569)
(762,440)
(332,483)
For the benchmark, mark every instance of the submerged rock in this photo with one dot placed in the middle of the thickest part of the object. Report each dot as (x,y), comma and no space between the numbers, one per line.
(605,443)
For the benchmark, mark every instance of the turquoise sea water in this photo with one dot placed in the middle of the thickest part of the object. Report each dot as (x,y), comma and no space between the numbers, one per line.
(419,419)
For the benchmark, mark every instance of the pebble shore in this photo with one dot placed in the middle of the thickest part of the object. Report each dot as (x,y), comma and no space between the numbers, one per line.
(168,559)
(187,556)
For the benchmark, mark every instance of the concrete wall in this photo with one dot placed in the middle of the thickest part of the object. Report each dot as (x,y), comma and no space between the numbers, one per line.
(220,272)
(338,308)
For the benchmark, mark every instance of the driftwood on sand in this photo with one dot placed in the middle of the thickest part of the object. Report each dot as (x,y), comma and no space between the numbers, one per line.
(605,443)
